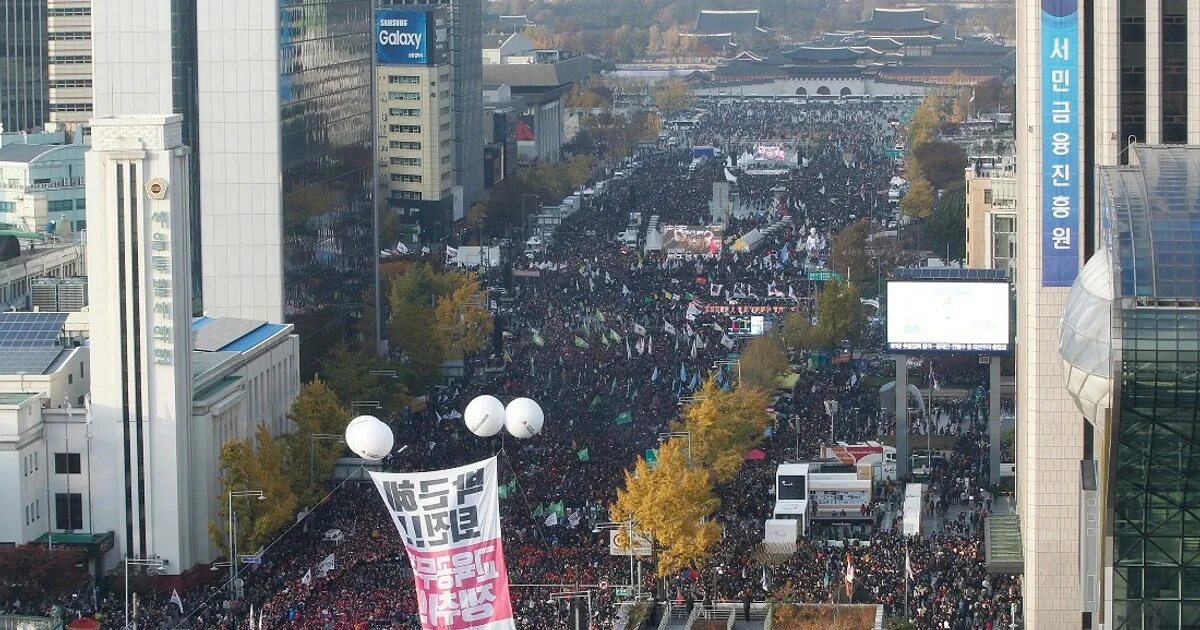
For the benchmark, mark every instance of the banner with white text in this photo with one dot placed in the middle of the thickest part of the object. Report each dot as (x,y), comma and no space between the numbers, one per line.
(450,523)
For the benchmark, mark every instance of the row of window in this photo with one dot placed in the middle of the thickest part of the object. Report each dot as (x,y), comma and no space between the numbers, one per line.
(70,59)
(406,178)
(409,112)
(30,464)
(71,83)
(70,107)
(68,511)
(68,11)
(404,79)
(405,144)
(404,96)
(404,128)
(63,36)
(406,161)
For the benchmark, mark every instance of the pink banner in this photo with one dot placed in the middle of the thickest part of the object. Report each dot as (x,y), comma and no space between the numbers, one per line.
(450,523)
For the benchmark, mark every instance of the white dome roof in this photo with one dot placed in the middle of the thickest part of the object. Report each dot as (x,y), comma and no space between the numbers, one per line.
(1085,340)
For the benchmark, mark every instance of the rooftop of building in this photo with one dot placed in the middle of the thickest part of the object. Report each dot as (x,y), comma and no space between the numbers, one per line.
(717,22)
(13,399)
(34,343)
(28,153)
(1151,222)
(29,255)
(895,20)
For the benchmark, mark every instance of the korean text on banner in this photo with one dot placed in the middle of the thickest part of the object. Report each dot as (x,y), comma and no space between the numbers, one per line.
(1061,144)
(450,523)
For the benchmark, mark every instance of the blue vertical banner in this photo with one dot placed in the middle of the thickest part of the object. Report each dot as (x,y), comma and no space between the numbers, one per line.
(1061,144)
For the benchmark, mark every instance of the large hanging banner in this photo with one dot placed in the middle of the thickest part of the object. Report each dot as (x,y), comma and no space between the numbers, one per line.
(450,523)
(1060,143)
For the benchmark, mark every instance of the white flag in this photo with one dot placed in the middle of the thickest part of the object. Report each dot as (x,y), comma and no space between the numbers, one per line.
(625,290)
(552,520)
(307,579)
(639,329)
(451,254)
(327,565)
(669,328)
(727,342)
(177,600)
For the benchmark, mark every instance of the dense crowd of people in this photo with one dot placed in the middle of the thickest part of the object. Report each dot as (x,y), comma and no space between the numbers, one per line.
(609,339)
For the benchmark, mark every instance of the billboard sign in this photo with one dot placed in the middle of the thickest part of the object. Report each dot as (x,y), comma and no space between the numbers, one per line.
(1061,148)
(693,239)
(449,521)
(948,316)
(408,38)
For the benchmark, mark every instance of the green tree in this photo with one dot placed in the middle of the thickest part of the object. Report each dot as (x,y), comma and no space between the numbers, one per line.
(349,374)
(840,313)
(799,333)
(946,228)
(942,164)
(316,410)
(762,361)
(918,200)
(848,254)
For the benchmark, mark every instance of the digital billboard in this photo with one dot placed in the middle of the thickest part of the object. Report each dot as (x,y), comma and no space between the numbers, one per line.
(407,38)
(948,316)
(693,239)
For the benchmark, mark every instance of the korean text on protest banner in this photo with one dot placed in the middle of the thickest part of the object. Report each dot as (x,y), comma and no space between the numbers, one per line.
(450,523)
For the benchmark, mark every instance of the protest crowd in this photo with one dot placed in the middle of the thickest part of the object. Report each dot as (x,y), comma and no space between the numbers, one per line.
(608,339)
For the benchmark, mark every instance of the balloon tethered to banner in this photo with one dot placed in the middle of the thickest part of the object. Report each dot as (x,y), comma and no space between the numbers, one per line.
(486,415)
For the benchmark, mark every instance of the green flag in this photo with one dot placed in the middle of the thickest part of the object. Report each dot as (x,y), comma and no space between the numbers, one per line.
(559,509)
(604,340)
(512,486)
(502,491)
(599,316)
(583,454)
(651,457)
(538,340)
(626,417)
(615,337)
(539,511)
(580,343)
(595,402)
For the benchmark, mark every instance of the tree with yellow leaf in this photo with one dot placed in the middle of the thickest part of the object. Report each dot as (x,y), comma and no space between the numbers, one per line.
(762,361)
(462,317)
(246,468)
(925,122)
(673,96)
(671,503)
(724,425)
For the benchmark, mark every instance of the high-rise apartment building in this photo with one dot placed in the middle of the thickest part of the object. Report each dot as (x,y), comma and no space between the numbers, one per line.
(466,60)
(414,119)
(279,94)
(69,50)
(1092,75)
(23,71)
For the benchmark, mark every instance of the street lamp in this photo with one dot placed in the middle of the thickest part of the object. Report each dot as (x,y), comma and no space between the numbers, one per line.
(261,496)
(738,363)
(571,596)
(662,437)
(617,525)
(312,449)
(154,563)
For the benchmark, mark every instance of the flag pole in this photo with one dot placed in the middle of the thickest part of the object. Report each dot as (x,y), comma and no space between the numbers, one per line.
(907,571)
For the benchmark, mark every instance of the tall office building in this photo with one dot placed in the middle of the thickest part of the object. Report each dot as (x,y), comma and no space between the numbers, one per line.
(23,70)
(466,60)
(69,50)
(414,119)
(1091,75)
(279,95)
(140,280)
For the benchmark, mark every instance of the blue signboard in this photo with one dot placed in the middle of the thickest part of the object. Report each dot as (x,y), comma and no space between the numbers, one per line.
(1061,146)
(405,38)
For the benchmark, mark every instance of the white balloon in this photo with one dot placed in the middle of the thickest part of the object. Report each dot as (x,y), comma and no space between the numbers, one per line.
(369,437)
(524,418)
(484,416)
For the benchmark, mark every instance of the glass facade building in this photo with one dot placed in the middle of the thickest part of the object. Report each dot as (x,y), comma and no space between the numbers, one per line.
(1147,427)
(24,70)
(329,252)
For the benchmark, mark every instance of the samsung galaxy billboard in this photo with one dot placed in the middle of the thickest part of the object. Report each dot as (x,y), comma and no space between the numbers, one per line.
(406,38)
